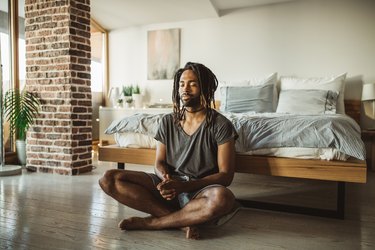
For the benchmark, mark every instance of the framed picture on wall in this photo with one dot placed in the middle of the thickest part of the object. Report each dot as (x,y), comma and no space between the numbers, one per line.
(163,53)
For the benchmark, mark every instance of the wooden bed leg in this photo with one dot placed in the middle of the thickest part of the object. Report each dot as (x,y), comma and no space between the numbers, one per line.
(341,200)
(120,165)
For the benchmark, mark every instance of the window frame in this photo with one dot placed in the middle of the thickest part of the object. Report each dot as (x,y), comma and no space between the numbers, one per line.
(96,27)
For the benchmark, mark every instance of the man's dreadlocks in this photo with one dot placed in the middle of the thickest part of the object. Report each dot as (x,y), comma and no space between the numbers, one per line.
(207,83)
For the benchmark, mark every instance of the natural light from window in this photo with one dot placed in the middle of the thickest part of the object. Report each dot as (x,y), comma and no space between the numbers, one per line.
(4,40)
(96,76)
(22,62)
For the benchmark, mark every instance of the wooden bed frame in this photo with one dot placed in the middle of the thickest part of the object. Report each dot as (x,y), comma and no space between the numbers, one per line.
(352,170)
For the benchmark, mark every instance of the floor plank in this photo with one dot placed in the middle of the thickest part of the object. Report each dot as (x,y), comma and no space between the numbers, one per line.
(44,211)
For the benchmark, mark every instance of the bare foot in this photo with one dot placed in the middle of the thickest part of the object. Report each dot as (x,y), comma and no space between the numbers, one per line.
(134,223)
(138,223)
(191,233)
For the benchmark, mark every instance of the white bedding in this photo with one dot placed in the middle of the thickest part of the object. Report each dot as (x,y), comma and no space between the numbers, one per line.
(137,140)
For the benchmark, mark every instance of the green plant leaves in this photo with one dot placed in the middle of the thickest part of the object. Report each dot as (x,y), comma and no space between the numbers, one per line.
(136,90)
(129,90)
(20,108)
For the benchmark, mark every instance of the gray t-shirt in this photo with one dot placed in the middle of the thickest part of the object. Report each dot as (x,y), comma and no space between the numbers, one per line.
(194,156)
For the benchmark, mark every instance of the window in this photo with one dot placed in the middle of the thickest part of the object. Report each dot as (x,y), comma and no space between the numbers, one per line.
(4,43)
(98,73)
(5,62)
(21,44)
(13,54)
(97,63)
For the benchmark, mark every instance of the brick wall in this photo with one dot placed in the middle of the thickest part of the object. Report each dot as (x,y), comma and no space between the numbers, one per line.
(58,58)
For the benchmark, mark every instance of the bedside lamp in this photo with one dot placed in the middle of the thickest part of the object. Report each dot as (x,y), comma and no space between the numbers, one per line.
(368,98)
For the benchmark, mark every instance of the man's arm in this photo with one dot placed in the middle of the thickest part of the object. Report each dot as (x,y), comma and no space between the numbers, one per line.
(226,164)
(226,158)
(161,169)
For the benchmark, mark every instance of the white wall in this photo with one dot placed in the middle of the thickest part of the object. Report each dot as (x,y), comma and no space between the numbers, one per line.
(303,38)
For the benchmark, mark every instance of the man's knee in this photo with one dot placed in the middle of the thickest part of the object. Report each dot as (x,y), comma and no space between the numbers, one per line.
(220,201)
(107,181)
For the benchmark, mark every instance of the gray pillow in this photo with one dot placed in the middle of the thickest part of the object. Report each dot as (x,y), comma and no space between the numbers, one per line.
(247,98)
(307,101)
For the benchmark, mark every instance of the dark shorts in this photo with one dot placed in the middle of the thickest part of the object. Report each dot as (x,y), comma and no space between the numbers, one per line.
(183,198)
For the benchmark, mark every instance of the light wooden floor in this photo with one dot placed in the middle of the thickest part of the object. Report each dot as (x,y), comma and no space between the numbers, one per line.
(44,211)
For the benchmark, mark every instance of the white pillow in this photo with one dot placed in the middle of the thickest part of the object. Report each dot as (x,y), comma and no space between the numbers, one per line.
(255,81)
(270,79)
(307,101)
(336,83)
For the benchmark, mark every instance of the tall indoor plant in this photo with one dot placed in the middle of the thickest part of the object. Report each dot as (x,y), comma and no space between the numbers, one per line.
(20,108)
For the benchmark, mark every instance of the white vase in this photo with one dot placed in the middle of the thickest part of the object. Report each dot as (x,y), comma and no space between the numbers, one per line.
(21,151)
(137,98)
(114,95)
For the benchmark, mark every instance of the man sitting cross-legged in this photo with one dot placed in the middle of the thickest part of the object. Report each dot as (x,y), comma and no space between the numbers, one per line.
(195,160)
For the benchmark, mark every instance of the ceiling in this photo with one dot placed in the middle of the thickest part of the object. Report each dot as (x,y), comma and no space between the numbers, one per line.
(116,14)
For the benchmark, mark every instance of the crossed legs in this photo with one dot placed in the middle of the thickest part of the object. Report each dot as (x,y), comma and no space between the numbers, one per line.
(136,190)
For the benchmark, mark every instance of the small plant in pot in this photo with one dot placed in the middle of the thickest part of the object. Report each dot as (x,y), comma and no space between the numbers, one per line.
(136,90)
(20,108)
(120,102)
(127,93)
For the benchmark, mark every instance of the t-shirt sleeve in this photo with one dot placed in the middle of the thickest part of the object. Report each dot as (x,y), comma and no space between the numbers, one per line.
(225,131)
(161,134)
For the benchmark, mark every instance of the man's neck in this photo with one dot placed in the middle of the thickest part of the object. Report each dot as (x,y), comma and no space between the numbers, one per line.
(194,110)
(195,113)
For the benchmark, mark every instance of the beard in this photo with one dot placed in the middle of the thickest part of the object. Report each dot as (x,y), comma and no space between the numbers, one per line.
(192,102)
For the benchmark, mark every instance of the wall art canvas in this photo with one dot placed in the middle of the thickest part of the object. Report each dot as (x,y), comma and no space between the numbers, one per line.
(163,56)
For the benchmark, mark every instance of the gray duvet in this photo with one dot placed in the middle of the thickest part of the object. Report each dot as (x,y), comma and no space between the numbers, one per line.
(271,130)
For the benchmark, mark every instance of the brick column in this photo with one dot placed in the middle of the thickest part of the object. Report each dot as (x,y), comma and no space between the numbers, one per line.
(58,58)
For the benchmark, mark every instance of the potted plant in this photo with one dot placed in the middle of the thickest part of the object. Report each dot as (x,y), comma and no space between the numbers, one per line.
(137,97)
(20,108)
(136,90)
(120,102)
(127,93)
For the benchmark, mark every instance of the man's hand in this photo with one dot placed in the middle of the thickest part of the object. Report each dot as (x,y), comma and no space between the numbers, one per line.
(169,188)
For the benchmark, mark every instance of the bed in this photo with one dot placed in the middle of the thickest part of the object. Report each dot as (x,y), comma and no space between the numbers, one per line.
(352,169)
